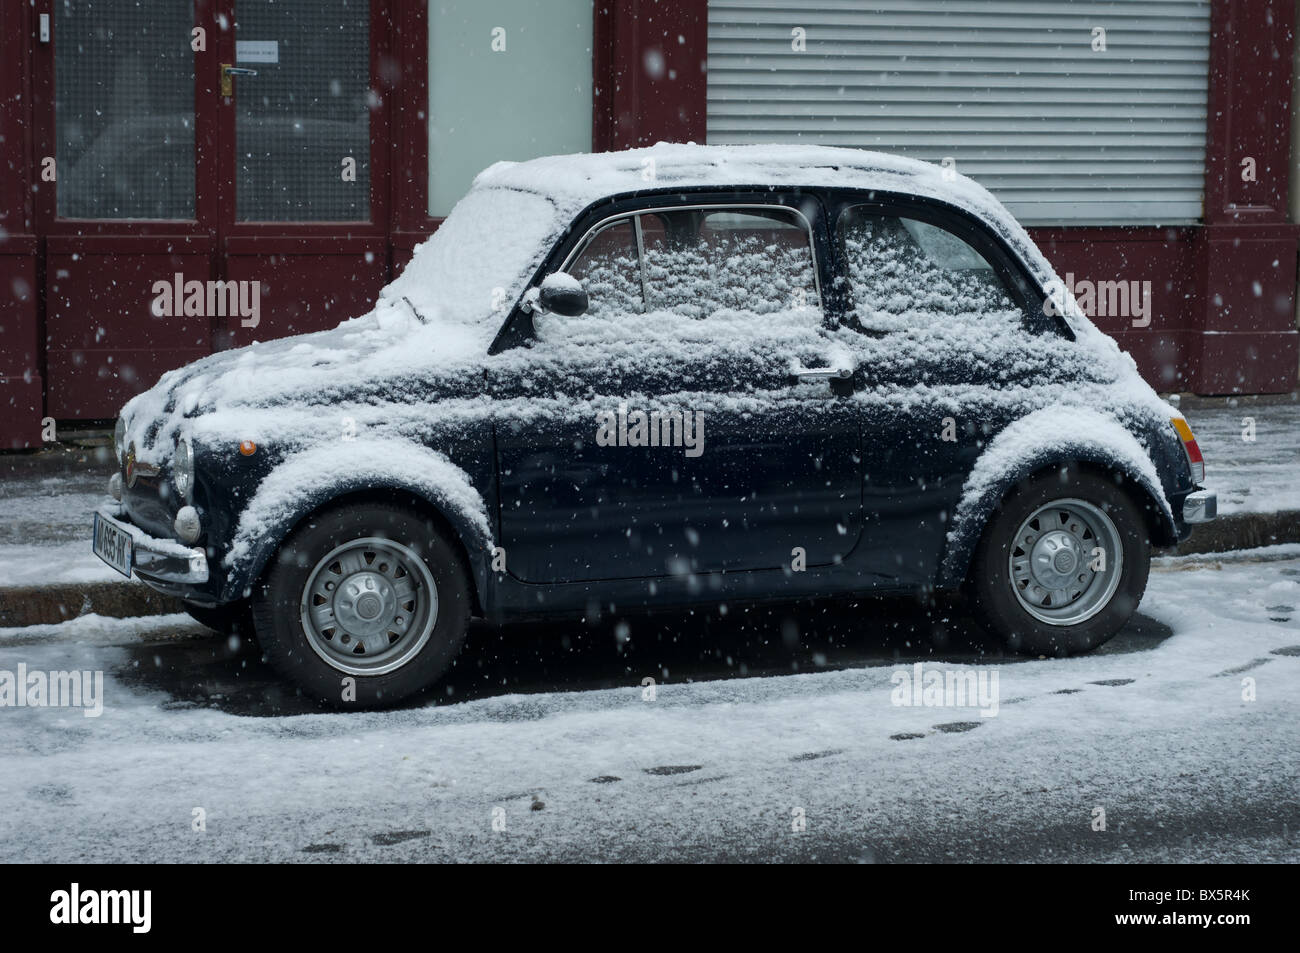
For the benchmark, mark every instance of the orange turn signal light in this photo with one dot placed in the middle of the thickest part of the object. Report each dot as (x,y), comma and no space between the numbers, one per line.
(1194,459)
(247,448)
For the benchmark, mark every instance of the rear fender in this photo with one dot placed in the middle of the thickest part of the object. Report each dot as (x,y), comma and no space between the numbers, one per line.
(1043,440)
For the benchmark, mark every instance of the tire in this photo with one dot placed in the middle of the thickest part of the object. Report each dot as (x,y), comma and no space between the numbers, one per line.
(231,619)
(1048,593)
(364,606)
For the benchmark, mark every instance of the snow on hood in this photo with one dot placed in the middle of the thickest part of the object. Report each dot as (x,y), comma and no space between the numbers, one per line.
(437,318)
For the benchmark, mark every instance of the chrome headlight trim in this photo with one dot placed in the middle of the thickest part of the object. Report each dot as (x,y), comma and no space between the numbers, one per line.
(183,468)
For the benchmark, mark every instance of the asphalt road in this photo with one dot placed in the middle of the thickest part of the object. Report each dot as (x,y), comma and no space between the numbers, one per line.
(541,746)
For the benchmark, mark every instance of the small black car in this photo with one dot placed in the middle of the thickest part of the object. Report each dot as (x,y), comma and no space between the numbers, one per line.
(669,376)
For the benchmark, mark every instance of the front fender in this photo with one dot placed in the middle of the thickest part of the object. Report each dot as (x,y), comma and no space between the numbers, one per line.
(306,481)
(1047,437)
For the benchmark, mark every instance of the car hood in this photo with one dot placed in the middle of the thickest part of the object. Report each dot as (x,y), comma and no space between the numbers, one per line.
(300,380)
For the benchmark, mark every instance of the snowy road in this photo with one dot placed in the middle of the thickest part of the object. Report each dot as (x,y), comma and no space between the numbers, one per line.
(549,736)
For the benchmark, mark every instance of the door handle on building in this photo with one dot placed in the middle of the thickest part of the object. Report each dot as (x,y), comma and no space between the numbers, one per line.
(228,70)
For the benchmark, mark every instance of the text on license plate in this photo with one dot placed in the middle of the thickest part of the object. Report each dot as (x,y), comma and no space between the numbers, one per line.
(113,545)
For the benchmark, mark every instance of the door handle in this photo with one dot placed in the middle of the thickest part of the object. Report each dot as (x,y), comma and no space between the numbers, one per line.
(822,373)
(228,70)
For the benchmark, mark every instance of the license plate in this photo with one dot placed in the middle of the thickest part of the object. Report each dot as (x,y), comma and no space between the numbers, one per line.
(113,544)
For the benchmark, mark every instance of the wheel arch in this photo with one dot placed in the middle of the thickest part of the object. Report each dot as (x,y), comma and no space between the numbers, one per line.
(442,493)
(1101,446)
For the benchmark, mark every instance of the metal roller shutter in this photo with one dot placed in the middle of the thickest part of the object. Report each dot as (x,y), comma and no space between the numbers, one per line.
(1011,89)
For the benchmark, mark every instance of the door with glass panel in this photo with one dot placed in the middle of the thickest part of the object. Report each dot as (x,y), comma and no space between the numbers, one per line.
(699,452)
(299,90)
(205,141)
(126,197)
(301,211)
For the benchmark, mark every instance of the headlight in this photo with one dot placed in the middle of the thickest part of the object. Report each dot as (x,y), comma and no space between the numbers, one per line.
(119,438)
(183,468)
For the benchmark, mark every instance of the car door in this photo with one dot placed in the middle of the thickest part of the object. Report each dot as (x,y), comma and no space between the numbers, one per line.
(676,438)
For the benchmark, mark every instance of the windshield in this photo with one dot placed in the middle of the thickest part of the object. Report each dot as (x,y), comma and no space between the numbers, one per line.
(474,266)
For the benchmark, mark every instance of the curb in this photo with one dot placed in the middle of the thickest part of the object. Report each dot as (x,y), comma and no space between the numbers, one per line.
(1240,531)
(48,605)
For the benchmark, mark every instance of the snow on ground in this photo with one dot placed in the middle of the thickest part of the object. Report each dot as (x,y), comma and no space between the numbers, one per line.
(1153,729)
(1250,476)
(45,529)
(38,565)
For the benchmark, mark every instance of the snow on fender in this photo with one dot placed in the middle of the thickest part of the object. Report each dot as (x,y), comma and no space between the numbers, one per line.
(309,479)
(1046,436)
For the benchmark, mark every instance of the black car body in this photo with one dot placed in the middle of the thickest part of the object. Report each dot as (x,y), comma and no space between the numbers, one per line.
(864,349)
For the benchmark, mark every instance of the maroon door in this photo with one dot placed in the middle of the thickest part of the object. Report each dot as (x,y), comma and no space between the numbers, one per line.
(265,193)
(302,208)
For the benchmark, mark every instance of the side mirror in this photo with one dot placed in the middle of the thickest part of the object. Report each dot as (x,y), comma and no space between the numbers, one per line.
(561,294)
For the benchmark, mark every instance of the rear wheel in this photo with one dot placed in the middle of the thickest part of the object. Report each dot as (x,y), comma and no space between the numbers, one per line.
(1062,564)
(364,606)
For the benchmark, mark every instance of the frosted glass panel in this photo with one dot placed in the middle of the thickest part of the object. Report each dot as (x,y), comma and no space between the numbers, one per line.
(508,79)
(305,112)
(124,109)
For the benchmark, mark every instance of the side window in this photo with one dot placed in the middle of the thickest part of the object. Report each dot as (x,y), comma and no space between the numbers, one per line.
(702,261)
(610,271)
(905,273)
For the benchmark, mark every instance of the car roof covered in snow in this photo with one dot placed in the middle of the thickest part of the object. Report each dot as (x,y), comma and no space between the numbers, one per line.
(578,180)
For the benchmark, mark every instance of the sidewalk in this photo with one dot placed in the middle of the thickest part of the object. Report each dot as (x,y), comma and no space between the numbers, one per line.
(1250,476)
(48,573)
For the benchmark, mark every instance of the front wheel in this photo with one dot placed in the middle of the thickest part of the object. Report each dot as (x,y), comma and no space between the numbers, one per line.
(364,606)
(1062,564)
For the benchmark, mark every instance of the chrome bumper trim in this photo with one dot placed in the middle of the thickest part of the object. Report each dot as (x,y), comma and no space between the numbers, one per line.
(165,560)
(1200,507)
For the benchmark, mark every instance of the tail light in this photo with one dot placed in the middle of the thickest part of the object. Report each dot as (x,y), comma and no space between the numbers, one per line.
(1194,458)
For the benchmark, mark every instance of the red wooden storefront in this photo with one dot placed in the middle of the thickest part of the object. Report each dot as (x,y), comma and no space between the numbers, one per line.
(77,337)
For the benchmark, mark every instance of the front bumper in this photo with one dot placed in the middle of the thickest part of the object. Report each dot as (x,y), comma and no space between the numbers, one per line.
(161,560)
(1200,507)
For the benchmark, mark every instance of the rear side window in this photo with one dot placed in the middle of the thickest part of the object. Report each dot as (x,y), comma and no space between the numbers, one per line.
(905,273)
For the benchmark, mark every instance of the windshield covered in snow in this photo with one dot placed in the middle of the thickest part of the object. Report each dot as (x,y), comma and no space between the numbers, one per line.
(475,265)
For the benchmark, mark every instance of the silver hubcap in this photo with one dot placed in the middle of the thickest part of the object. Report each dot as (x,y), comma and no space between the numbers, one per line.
(1066,561)
(369,606)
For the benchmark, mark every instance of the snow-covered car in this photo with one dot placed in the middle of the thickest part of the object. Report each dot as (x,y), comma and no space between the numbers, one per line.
(680,375)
